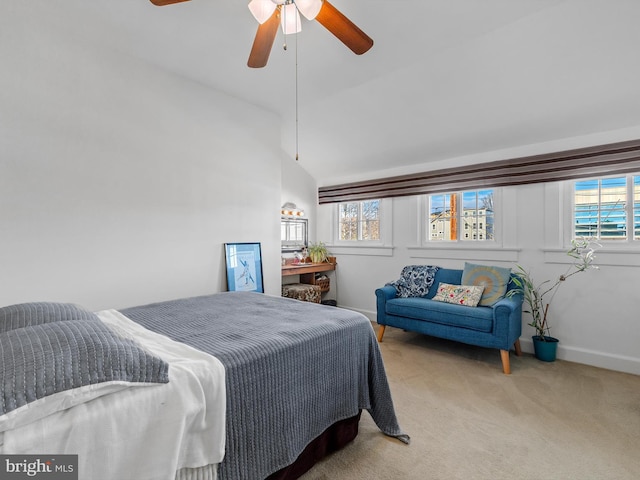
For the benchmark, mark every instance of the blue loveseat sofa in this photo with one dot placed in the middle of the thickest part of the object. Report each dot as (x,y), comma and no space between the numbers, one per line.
(496,326)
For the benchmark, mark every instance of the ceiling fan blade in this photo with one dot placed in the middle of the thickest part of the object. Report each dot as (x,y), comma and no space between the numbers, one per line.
(162,3)
(343,28)
(263,42)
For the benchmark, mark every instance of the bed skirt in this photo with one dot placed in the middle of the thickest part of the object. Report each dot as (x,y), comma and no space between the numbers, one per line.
(334,438)
(331,440)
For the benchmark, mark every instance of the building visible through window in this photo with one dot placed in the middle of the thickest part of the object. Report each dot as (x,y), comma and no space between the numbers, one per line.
(461,216)
(607,208)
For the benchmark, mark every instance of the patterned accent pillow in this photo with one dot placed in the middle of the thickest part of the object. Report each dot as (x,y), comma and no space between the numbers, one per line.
(38,313)
(494,280)
(415,280)
(467,295)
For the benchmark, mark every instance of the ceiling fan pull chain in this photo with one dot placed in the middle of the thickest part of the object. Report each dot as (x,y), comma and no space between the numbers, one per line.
(283,12)
(296,55)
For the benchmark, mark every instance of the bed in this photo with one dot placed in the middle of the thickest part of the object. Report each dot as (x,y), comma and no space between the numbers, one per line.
(271,384)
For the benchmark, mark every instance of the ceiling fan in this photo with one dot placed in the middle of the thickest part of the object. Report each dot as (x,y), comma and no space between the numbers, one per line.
(271,13)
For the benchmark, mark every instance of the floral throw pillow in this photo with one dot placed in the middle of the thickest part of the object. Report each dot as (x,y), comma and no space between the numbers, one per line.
(468,295)
(415,280)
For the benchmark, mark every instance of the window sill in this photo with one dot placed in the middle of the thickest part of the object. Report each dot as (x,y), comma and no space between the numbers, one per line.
(373,250)
(621,257)
(464,252)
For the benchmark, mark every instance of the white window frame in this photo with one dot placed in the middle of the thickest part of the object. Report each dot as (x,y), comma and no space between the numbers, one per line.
(464,232)
(459,243)
(628,244)
(383,246)
(559,208)
(501,248)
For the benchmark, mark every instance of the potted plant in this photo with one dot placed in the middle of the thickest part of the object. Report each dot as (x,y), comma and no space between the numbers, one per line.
(318,252)
(538,297)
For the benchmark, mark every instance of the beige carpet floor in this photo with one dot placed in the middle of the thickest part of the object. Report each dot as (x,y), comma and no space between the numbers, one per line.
(467,420)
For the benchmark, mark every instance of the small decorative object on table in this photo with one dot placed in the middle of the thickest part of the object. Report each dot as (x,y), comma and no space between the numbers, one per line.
(318,252)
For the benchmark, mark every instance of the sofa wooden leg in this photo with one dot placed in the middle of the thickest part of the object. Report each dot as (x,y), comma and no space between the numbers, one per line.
(506,367)
(381,332)
(517,347)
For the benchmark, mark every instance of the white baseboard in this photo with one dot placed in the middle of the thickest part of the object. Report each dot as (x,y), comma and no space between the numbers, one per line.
(367,313)
(619,363)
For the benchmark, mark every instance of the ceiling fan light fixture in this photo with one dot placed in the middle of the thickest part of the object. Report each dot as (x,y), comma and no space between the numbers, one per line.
(262,9)
(290,19)
(309,8)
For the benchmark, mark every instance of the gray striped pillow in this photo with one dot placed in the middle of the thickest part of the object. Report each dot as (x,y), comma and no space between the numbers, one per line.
(39,361)
(37,313)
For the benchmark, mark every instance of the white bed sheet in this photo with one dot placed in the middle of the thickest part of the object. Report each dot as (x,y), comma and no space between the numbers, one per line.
(146,432)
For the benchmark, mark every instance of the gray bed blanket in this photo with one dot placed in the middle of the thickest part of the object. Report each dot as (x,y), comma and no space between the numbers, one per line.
(292,369)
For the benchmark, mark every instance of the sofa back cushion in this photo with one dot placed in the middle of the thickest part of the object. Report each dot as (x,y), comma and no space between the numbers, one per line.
(445,275)
(454,277)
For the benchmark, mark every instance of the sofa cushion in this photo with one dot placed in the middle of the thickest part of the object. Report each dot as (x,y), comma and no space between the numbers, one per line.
(415,280)
(479,318)
(494,280)
(467,295)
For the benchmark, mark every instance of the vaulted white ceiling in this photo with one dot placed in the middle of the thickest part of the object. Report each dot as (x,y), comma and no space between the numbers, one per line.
(444,79)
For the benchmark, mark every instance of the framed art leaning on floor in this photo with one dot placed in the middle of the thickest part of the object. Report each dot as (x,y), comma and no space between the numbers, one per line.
(244,267)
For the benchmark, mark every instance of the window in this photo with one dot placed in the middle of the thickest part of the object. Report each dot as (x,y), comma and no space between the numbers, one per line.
(607,208)
(362,227)
(359,221)
(471,210)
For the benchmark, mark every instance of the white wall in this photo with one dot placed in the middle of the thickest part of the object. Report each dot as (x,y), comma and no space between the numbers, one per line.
(594,313)
(120,183)
(300,188)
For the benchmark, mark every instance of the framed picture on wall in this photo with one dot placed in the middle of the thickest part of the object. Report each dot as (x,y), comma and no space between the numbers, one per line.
(244,267)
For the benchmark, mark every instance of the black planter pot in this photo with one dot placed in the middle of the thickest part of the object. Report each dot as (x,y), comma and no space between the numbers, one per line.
(545,350)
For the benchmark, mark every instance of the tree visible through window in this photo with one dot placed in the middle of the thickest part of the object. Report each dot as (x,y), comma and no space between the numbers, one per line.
(464,216)
(359,220)
(607,208)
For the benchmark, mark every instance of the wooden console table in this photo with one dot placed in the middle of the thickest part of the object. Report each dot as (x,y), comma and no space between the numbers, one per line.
(307,271)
